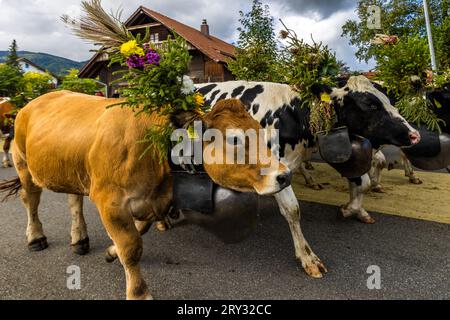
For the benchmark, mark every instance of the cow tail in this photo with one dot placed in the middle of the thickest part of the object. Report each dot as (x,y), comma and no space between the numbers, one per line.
(10,188)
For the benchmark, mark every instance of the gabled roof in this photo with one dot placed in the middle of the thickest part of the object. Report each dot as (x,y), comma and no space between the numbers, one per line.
(36,66)
(216,49)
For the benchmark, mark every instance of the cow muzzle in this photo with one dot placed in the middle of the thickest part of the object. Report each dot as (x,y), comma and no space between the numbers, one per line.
(414,137)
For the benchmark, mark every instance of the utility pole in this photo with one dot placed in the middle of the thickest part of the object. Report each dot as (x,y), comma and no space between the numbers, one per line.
(430,35)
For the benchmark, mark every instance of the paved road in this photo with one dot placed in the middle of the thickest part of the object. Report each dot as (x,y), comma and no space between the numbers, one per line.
(189,263)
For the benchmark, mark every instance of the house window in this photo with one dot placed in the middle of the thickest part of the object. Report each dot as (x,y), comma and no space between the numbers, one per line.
(154,37)
(27,65)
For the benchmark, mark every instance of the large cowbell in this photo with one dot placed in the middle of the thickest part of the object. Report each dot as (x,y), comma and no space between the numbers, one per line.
(350,155)
(432,152)
(231,216)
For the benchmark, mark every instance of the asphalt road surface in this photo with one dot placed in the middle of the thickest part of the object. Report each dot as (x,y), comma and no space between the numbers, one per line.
(189,263)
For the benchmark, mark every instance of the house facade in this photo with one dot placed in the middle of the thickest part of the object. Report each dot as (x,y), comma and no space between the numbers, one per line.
(28,66)
(209,54)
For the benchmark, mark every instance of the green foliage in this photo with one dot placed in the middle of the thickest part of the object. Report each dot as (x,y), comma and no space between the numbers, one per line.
(416,109)
(307,66)
(441,78)
(36,84)
(403,68)
(10,81)
(73,83)
(12,57)
(32,85)
(398,65)
(403,18)
(157,140)
(443,44)
(159,88)
(256,58)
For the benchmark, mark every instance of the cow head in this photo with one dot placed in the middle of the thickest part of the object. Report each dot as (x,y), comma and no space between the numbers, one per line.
(260,176)
(366,111)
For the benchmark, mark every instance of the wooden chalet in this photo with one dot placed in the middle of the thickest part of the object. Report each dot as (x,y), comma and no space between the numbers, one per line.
(209,53)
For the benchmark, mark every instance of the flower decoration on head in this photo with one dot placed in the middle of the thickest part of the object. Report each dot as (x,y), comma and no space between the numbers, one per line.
(188,86)
(152,57)
(135,62)
(131,48)
(156,75)
(138,57)
(199,100)
(384,39)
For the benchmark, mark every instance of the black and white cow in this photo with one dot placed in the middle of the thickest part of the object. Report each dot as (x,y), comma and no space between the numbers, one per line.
(361,107)
(439,100)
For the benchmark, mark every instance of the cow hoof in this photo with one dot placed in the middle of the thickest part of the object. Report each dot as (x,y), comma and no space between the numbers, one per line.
(415,180)
(81,248)
(6,164)
(343,213)
(38,244)
(378,189)
(315,269)
(366,219)
(162,226)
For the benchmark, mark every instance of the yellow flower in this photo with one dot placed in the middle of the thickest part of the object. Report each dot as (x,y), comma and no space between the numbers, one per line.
(199,100)
(130,48)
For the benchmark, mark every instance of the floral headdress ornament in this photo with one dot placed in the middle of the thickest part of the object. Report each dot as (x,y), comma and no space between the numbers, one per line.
(307,66)
(156,76)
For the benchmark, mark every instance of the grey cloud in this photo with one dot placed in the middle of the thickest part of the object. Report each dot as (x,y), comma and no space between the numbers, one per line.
(324,8)
(37,27)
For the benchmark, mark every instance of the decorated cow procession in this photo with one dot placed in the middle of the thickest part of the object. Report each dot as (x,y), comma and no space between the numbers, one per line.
(119,151)
(169,148)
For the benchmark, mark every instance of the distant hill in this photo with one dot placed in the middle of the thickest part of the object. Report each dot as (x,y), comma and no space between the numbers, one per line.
(57,65)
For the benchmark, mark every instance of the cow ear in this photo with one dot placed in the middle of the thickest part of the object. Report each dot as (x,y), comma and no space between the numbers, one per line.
(319,89)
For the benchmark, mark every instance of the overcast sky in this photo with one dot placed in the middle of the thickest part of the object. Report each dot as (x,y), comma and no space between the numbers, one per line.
(36,26)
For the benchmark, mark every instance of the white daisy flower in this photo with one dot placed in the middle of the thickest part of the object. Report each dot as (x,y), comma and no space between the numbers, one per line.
(188,86)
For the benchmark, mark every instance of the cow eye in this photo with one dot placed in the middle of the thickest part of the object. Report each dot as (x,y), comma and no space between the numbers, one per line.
(234,140)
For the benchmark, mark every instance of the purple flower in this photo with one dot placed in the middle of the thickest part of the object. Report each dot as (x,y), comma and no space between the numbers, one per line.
(136,61)
(152,57)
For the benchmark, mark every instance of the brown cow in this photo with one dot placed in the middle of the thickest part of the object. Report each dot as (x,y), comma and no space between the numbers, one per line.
(71,143)
(6,108)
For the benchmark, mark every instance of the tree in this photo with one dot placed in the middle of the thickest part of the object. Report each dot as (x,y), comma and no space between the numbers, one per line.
(403,18)
(73,83)
(36,84)
(443,37)
(10,81)
(256,58)
(12,58)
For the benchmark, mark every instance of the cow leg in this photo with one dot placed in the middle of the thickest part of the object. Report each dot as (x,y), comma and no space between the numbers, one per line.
(31,196)
(6,159)
(309,166)
(142,227)
(409,171)
(122,231)
(80,239)
(357,188)
(290,210)
(310,182)
(378,164)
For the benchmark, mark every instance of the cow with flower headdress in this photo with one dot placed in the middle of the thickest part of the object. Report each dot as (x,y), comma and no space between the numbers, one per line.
(85,145)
